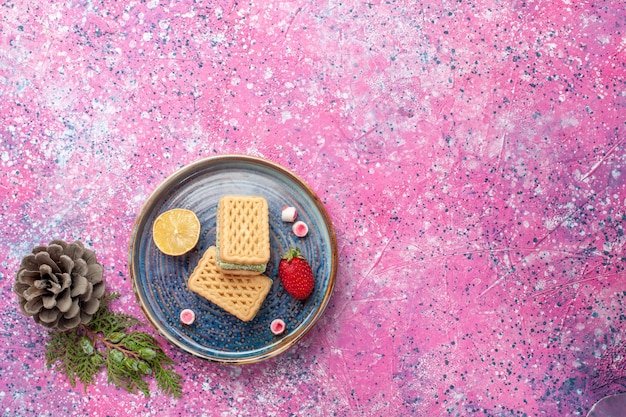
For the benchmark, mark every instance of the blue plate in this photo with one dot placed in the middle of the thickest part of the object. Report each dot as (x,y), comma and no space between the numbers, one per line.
(160,281)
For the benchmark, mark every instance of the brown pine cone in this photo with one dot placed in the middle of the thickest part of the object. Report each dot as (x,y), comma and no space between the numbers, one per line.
(60,285)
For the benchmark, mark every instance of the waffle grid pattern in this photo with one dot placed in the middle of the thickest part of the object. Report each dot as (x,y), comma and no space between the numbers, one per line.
(243,230)
(240,296)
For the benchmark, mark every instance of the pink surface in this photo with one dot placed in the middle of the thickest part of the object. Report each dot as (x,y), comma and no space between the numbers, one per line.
(470,154)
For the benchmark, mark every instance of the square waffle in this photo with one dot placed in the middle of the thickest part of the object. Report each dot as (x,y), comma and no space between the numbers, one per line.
(242,241)
(241,296)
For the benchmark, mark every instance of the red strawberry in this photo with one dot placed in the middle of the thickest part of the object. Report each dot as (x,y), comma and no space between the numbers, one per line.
(295,274)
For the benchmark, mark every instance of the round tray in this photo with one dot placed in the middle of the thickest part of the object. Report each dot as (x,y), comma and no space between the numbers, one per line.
(160,281)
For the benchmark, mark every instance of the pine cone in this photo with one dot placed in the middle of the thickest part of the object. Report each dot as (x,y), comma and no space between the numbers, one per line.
(60,285)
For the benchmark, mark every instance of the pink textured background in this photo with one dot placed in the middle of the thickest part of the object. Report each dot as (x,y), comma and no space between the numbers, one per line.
(471,155)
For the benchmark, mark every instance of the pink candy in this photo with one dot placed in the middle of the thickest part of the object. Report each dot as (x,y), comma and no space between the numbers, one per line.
(289,215)
(300,229)
(277,326)
(187,316)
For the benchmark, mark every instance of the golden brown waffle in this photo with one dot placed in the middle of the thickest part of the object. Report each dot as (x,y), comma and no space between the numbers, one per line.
(241,296)
(242,231)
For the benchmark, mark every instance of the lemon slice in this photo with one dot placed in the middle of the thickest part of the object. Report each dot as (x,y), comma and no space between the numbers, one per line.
(176,231)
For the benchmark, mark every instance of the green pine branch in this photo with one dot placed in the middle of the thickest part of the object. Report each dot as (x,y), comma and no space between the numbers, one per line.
(106,321)
(64,348)
(169,381)
(108,342)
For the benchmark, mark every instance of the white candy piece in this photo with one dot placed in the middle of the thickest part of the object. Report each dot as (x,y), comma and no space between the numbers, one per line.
(300,229)
(289,214)
(187,316)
